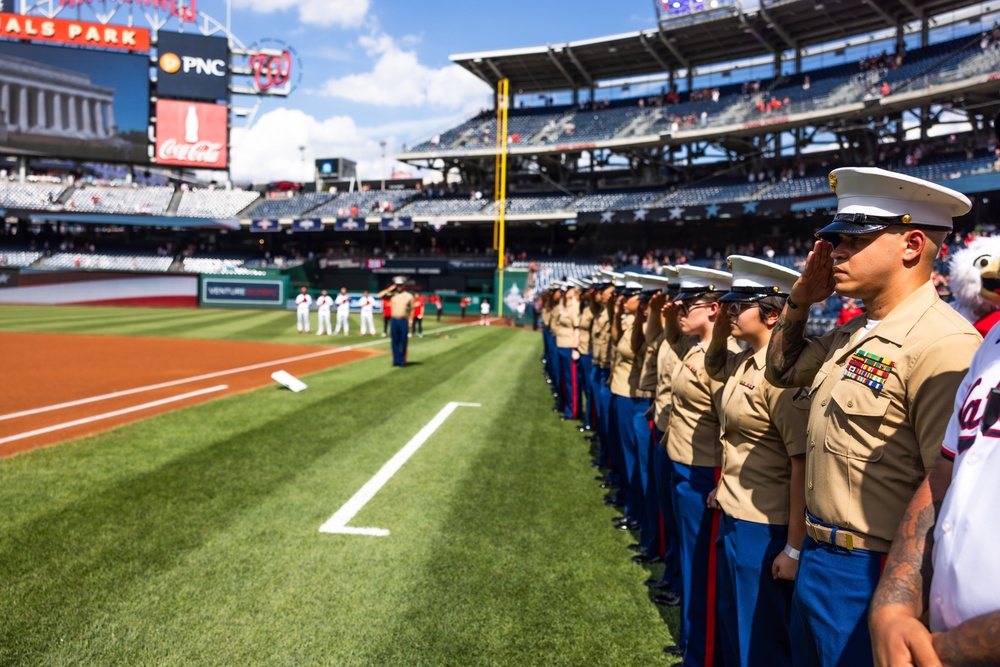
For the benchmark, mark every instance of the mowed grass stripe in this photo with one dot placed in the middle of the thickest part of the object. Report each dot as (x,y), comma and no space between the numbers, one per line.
(109,535)
(193,538)
(265,326)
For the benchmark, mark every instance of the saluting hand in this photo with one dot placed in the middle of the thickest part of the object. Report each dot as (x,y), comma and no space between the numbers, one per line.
(656,303)
(816,282)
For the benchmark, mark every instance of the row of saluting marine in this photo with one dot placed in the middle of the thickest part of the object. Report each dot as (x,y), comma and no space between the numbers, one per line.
(770,472)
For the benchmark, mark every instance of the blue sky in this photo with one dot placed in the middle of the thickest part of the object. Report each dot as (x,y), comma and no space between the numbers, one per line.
(378,70)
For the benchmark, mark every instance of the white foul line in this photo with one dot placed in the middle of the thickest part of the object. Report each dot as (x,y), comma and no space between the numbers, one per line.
(115,413)
(197,378)
(338,522)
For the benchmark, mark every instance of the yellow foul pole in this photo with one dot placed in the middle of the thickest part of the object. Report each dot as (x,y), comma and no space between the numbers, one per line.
(500,187)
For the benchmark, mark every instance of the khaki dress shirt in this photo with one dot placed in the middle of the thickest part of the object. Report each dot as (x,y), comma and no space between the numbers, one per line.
(869,448)
(762,426)
(693,434)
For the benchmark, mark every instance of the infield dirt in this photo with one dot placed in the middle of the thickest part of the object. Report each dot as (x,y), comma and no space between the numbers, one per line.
(42,371)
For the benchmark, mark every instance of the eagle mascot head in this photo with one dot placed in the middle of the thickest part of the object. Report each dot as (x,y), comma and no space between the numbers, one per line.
(975,278)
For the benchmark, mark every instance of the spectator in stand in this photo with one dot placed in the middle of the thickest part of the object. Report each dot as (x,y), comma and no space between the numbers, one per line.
(849,311)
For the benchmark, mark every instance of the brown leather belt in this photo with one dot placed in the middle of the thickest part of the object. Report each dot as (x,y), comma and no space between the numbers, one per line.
(845,538)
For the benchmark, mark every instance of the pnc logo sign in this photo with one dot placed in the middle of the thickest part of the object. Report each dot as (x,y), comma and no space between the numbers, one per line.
(171,63)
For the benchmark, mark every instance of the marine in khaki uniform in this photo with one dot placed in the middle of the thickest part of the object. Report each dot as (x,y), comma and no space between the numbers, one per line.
(588,414)
(882,388)
(600,344)
(565,323)
(663,366)
(644,367)
(550,300)
(761,493)
(692,439)
(626,399)
(401,303)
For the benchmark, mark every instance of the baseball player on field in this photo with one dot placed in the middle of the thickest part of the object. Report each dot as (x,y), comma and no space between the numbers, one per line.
(323,304)
(302,303)
(343,311)
(367,309)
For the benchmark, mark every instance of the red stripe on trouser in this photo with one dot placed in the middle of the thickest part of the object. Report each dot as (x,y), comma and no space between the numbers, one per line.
(662,527)
(575,398)
(881,565)
(712,573)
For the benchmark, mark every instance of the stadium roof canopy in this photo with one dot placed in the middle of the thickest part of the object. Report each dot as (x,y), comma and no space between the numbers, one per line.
(723,35)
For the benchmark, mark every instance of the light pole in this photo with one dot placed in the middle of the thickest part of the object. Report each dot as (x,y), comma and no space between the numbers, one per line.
(382,144)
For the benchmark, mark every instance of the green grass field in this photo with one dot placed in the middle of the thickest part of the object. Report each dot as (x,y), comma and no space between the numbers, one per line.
(192,538)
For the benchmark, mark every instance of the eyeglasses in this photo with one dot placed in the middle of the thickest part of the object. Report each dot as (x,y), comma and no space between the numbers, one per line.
(684,308)
(737,308)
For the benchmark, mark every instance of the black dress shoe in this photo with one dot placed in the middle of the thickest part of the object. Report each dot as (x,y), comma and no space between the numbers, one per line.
(583,429)
(613,502)
(628,525)
(657,584)
(667,599)
(635,547)
(556,410)
(646,558)
(673,649)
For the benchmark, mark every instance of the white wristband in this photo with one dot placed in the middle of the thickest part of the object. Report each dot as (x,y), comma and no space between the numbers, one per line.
(790,552)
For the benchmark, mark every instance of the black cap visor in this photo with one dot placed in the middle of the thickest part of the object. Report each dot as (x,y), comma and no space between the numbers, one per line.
(856,224)
(749,293)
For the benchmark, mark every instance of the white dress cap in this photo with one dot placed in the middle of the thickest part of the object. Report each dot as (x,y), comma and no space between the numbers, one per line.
(696,281)
(756,278)
(870,199)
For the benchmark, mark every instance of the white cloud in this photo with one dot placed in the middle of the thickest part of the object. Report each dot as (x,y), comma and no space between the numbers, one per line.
(269,150)
(398,79)
(326,13)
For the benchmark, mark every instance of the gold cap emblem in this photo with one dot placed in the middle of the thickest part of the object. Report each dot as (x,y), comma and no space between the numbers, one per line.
(729,264)
(906,218)
(833,182)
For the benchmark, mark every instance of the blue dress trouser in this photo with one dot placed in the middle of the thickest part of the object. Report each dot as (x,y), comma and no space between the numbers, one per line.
(567,382)
(833,588)
(398,329)
(698,528)
(623,439)
(602,394)
(645,482)
(586,375)
(753,607)
(663,470)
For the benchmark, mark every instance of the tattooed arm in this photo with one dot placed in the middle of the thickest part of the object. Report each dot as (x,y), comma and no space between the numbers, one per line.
(972,644)
(898,635)
(788,337)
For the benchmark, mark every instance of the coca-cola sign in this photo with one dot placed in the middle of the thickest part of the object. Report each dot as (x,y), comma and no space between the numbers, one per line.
(191,134)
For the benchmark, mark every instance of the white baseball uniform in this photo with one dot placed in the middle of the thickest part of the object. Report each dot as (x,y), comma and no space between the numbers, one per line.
(343,302)
(323,303)
(302,303)
(367,317)
(966,567)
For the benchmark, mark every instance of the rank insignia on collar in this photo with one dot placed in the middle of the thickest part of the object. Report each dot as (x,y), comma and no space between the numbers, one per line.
(869,369)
